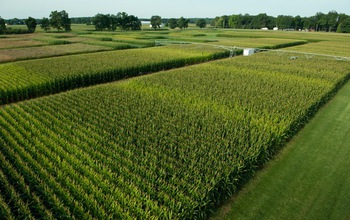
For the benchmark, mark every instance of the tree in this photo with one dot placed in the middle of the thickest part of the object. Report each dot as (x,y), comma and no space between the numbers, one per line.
(66,22)
(135,23)
(31,24)
(246,21)
(182,23)
(332,20)
(113,22)
(2,25)
(156,21)
(55,20)
(321,21)
(123,20)
(344,26)
(298,23)
(172,23)
(45,24)
(284,22)
(222,22)
(261,21)
(101,22)
(233,21)
(201,23)
(60,20)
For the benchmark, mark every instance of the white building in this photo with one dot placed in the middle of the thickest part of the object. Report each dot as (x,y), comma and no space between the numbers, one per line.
(248,51)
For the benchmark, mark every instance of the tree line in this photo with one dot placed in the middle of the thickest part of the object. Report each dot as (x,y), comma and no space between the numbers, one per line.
(173,23)
(30,22)
(122,20)
(58,20)
(331,22)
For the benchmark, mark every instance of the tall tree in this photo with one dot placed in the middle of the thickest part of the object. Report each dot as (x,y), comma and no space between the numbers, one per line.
(233,21)
(66,22)
(214,21)
(201,23)
(172,23)
(135,23)
(222,22)
(113,22)
(321,21)
(247,21)
(60,20)
(261,21)
(31,24)
(332,20)
(156,21)
(2,25)
(298,23)
(101,22)
(123,20)
(55,20)
(45,24)
(344,26)
(284,22)
(182,23)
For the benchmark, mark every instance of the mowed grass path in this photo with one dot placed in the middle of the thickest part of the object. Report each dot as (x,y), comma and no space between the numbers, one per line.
(310,179)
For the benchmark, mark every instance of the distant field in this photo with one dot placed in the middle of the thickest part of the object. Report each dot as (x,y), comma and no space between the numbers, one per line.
(325,47)
(48,51)
(18,41)
(300,35)
(267,43)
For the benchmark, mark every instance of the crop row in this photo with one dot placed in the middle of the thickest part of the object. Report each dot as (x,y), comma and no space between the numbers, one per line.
(170,145)
(34,78)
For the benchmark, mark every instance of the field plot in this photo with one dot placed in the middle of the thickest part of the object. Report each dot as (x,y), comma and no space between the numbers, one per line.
(310,178)
(298,35)
(170,145)
(33,78)
(19,42)
(121,38)
(263,43)
(111,44)
(7,55)
(336,48)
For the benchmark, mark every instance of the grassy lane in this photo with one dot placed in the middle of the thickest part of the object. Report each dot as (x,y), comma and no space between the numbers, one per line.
(310,179)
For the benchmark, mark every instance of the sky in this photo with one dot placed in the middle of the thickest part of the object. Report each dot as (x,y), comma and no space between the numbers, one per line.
(170,9)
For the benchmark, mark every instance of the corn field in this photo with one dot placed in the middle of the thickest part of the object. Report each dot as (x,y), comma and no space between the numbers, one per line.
(170,145)
(35,78)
